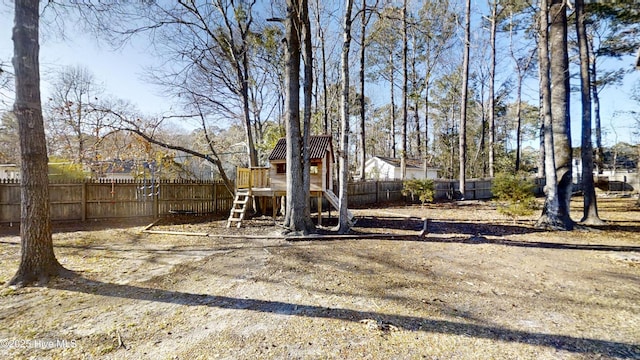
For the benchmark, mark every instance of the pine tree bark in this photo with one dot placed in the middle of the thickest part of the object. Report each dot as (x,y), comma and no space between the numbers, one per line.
(542,71)
(590,208)
(492,96)
(307,56)
(425,160)
(518,121)
(240,55)
(560,91)
(295,215)
(416,98)
(554,78)
(38,262)
(323,55)
(599,160)
(392,126)
(343,220)
(462,159)
(363,140)
(244,74)
(405,95)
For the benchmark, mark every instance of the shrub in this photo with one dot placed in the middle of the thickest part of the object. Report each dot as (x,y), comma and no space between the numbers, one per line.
(514,194)
(61,170)
(422,188)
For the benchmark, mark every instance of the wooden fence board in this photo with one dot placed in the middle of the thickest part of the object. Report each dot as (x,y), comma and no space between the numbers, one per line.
(123,199)
(9,202)
(389,191)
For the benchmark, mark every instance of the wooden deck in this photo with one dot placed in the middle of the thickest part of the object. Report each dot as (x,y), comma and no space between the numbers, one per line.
(256,182)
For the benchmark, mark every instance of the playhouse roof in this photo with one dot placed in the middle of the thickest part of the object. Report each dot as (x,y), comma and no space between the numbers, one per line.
(318,147)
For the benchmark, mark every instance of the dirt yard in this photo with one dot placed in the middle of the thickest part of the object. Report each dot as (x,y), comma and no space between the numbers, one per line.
(477,286)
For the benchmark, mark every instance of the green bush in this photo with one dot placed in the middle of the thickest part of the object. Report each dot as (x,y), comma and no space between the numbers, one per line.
(514,194)
(422,188)
(62,170)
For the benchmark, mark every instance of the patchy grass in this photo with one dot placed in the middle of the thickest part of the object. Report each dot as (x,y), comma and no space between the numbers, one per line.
(476,286)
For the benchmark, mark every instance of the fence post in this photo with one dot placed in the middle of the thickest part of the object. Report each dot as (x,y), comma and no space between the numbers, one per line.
(215,197)
(475,194)
(155,195)
(84,201)
(377,190)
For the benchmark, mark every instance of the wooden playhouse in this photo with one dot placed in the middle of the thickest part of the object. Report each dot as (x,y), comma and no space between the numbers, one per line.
(270,182)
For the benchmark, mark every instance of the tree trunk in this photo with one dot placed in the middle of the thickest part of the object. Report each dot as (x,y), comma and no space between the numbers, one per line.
(38,262)
(463,101)
(416,120)
(521,68)
(343,220)
(294,219)
(554,71)
(425,161)
(599,161)
(243,77)
(308,93)
(541,117)
(518,121)
(560,91)
(325,104)
(492,81)
(416,97)
(590,209)
(482,147)
(638,169)
(392,130)
(363,140)
(405,85)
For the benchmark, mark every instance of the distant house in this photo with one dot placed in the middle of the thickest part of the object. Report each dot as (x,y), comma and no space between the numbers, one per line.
(115,169)
(379,167)
(9,171)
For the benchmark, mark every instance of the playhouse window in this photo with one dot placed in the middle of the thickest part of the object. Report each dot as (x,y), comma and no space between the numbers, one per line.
(314,167)
(281,168)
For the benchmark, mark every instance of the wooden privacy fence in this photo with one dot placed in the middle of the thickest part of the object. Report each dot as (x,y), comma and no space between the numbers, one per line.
(91,200)
(373,192)
(475,189)
(363,193)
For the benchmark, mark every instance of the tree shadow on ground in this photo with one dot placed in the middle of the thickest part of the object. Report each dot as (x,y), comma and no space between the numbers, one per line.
(475,233)
(443,226)
(89,225)
(483,331)
(531,244)
(13,229)
(617,226)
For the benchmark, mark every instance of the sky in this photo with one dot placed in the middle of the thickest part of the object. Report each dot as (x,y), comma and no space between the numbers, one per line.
(615,104)
(120,71)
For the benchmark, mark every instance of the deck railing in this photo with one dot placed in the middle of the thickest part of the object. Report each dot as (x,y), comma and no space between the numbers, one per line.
(255,177)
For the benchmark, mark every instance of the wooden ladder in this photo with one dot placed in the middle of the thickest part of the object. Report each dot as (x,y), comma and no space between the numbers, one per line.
(239,207)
